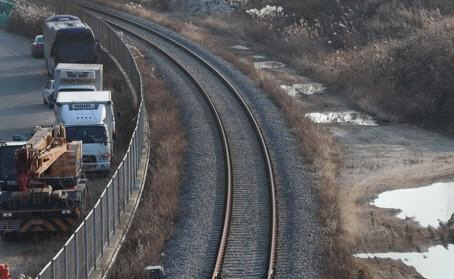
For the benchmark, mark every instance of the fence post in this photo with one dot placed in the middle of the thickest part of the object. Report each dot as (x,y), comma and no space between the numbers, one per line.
(113,206)
(108,221)
(65,258)
(102,227)
(124,186)
(118,195)
(76,260)
(86,248)
(53,269)
(95,259)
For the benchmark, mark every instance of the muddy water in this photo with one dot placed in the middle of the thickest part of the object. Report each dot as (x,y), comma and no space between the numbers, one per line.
(427,205)
(436,263)
(351,117)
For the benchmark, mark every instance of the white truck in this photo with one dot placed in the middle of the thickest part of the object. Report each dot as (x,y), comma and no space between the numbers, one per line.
(89,116)
(73,77)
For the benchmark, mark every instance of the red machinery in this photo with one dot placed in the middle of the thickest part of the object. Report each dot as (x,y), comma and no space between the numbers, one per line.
(4,272)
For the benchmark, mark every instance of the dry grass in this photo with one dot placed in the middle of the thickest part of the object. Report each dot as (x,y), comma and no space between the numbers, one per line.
(390,57)
(407,79)
(154,218)
(27,17)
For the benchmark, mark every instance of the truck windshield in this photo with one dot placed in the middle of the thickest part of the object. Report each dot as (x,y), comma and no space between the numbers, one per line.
(7,166)
(87,134)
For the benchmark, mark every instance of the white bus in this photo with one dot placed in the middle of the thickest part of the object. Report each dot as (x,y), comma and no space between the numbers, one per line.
(68,40)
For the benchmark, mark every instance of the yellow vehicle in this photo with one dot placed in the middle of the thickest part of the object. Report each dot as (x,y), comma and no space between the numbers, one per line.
(41,186)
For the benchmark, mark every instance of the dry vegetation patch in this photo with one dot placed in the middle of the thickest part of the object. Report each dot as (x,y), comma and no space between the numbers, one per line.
(153,220)
(27,16)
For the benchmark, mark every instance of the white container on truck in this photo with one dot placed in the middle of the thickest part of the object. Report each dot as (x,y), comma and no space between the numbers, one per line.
(74,77)
(89,116)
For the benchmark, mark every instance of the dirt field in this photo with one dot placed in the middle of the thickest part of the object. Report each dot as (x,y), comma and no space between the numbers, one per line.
(376,159)
(384,158)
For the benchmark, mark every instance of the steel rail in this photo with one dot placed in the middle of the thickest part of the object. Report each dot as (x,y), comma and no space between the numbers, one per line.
(269,168)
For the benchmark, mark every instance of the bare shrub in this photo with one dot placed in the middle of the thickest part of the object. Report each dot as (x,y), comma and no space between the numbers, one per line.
(27,17)
(408,79)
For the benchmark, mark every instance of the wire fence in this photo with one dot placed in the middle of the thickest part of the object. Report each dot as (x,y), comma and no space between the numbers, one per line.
(82,253)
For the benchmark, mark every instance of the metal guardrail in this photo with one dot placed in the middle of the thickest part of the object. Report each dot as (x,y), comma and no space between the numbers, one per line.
(83,251)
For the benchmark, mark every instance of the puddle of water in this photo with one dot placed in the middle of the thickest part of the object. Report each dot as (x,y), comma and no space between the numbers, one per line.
(428,205)
(303,88)
(240,47)
(352,117)
(268,65)
(437,263)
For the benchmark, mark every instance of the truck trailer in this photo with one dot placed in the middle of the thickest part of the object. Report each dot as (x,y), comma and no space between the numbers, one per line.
(73,77)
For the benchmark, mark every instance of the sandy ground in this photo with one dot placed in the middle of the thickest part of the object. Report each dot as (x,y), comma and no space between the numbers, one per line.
(376,159)
(383,158)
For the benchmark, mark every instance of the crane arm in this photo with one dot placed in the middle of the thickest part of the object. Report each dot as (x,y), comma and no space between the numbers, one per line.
(40,152)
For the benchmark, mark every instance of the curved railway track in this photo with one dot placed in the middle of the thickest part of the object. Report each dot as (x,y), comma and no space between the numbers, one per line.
(247,245)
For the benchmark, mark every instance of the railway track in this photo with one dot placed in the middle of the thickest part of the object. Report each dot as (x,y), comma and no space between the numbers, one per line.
(247,244)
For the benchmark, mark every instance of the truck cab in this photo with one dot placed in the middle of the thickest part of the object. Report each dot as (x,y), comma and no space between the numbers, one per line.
(89,117)
(8,165)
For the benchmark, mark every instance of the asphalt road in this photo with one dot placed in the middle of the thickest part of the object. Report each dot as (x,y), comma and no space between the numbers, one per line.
(21,80)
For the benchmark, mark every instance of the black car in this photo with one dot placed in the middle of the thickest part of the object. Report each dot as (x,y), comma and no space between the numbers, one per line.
(38,46)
